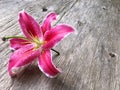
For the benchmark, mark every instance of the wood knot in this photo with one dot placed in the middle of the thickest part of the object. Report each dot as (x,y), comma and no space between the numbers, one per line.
(104,8)
(112,55)
(44,9)
(79,23)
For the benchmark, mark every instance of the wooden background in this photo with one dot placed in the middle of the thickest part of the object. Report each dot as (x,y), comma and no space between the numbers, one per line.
(90,57)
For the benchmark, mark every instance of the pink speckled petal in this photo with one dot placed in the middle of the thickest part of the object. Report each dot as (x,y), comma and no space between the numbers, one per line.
(22,57)
(29,26)
(46,65)
(17,43)
(55,35)
(47,22)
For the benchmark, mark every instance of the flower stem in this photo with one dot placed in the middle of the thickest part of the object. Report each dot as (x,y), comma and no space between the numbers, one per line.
(55,51)
(8,37)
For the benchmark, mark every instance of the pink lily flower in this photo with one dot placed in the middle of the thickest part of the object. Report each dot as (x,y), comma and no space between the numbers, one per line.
(37,43)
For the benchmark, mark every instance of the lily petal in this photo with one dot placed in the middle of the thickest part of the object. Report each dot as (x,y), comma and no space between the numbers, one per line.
(22,57)
(29,26)
(17,43)
(55,35)
(46,65)
(47,22)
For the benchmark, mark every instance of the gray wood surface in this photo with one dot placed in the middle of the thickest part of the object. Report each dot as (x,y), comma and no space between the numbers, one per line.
(90,57)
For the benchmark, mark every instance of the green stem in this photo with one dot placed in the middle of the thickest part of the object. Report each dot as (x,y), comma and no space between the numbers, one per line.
(55,51)
(8,37)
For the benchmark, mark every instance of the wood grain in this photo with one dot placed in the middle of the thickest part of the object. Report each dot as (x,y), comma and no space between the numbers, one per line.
(90,57)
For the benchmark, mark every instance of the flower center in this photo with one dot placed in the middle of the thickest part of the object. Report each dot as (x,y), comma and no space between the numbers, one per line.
(38,43)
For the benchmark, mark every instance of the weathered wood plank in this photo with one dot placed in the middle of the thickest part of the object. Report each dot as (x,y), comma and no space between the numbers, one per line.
(90,57)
